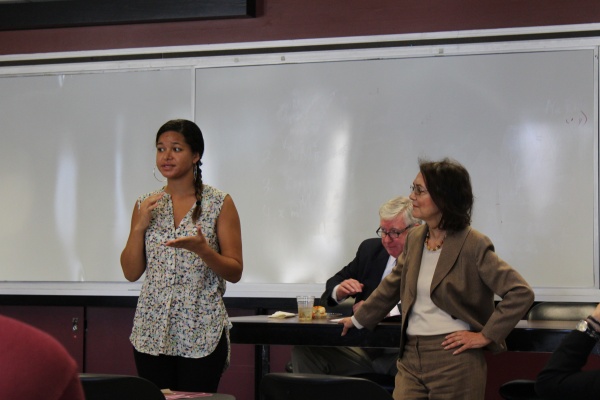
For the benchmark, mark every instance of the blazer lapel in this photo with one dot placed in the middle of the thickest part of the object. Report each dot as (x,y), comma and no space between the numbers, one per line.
(450,251)
(414,243)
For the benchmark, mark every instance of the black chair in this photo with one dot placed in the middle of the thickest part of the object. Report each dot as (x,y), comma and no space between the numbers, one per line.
(523,389)
(387,382)
(519,389)
(118,387)
(286,386)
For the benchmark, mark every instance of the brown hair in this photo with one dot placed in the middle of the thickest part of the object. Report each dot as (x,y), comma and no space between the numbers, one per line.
(449,186)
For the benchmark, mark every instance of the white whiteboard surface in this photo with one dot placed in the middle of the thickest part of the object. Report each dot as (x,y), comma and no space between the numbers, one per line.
(308,152)
(76,152)
(314,149)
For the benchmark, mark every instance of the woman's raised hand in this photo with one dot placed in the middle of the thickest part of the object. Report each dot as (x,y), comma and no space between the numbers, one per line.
(145,210)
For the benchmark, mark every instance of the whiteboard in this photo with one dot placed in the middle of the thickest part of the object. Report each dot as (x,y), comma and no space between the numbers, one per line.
(312,151)
(77,150)
(308,151)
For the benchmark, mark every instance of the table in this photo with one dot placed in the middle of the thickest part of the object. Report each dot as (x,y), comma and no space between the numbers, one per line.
(262,331)
(541,336)
(202,396)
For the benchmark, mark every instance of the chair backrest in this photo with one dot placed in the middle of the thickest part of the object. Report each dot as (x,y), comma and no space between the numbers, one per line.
(286,386)
(519,389)
(555,311)
(118,387)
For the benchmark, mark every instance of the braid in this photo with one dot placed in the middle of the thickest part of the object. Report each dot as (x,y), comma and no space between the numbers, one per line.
(198,186)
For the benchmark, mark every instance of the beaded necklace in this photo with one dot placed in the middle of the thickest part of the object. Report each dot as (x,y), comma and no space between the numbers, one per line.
(436,248)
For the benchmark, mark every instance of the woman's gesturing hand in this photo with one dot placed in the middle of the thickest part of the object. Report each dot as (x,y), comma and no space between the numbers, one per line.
(191,243)
(145,210)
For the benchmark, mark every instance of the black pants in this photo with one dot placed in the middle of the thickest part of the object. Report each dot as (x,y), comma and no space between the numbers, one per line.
(184,374)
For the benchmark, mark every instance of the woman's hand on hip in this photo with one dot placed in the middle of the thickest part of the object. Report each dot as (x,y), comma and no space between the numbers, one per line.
(460,341)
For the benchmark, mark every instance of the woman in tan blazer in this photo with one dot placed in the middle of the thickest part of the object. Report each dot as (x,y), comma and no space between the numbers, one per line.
(446,279)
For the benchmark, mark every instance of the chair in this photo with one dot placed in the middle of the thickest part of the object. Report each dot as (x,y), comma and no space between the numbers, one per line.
(118,387)
(556,311)
(387,382)
(286,386)
(519,389)
(523,389)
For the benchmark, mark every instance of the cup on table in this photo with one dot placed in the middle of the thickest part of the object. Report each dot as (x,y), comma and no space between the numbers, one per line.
(305,306)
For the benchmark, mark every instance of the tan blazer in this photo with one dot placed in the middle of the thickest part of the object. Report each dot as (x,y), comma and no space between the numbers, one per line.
(467,276)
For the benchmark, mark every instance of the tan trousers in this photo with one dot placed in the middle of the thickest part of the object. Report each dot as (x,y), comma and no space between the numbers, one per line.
(427,371)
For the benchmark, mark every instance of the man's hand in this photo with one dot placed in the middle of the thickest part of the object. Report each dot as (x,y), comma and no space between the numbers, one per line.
(349,287)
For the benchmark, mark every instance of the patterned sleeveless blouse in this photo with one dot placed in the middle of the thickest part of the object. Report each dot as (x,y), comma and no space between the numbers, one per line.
(180,310)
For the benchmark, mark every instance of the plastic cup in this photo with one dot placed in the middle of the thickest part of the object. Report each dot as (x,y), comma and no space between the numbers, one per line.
(305,306)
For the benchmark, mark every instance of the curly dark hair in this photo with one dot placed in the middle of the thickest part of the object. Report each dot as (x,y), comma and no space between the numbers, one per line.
(449,186)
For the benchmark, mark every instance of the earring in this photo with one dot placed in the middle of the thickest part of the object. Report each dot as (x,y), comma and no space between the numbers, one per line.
(154,173)
(195,172)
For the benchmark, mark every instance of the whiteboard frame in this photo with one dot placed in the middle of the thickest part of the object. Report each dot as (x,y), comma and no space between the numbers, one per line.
(293,52)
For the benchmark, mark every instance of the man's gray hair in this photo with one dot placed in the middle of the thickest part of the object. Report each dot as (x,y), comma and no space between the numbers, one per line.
(396,206)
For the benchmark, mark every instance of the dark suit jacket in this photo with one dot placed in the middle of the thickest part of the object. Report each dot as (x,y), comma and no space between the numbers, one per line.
(562,378)
(467,276)
(367,268)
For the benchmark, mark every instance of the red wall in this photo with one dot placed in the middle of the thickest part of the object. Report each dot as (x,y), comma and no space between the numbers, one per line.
(293,19)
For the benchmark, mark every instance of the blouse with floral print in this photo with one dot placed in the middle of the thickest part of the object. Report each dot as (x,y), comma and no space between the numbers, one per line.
(180,309)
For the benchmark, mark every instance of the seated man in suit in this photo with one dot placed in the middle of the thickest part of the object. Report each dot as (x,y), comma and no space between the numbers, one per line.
(563,377)
(34,365)
(374,259)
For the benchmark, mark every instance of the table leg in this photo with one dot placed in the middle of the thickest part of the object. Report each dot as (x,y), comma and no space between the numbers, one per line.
(262,366)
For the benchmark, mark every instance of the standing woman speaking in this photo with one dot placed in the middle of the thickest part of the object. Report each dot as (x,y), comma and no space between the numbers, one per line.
(446,279)
(186,237)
